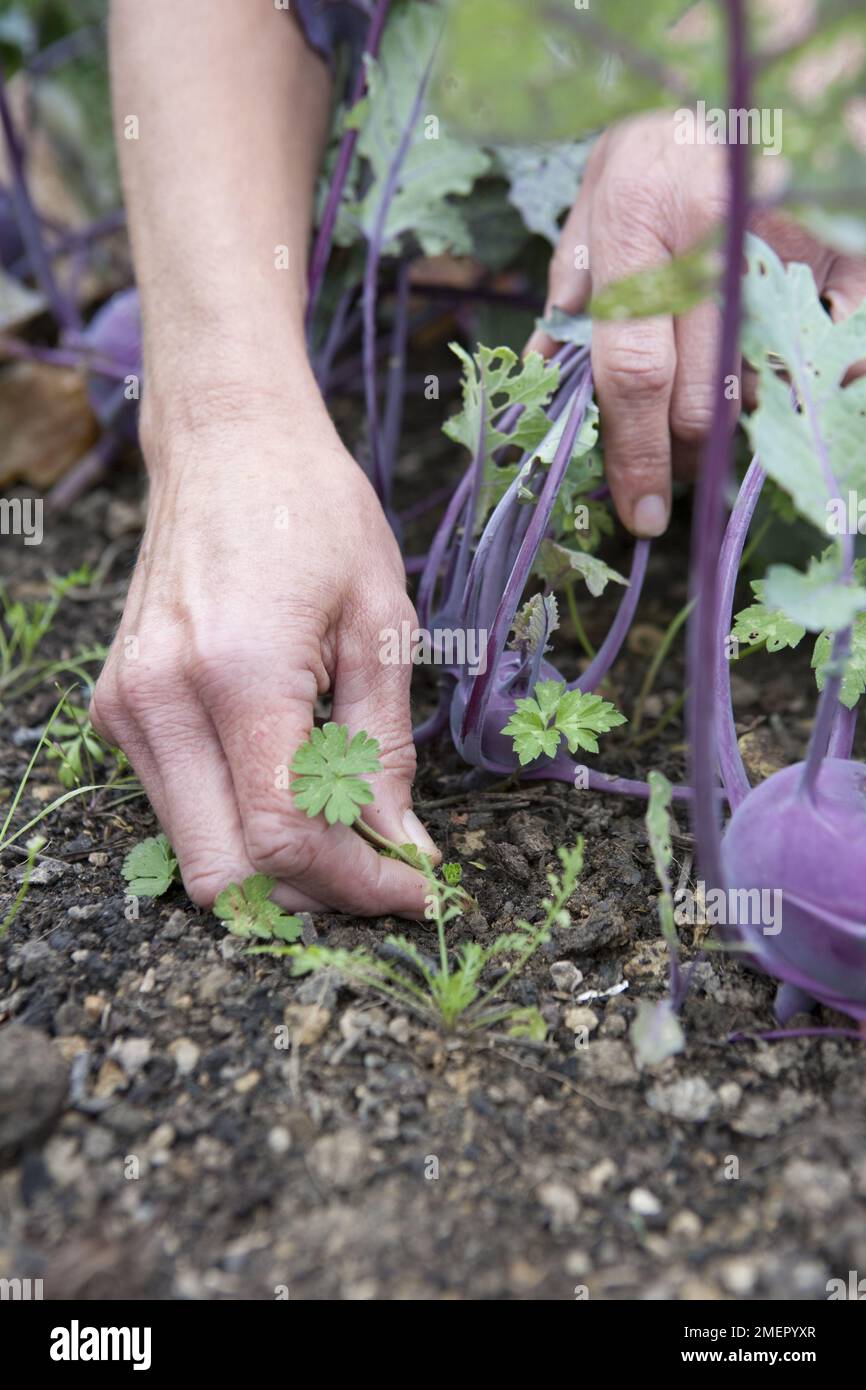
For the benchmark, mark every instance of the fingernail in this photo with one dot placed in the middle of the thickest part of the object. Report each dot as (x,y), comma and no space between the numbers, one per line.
(416,833)
(650,516)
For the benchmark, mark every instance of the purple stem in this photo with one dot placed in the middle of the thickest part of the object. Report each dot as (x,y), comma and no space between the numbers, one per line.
(28,222)
(734,775)
(619,628)
(436,554)
(82,476)
(325,236)
(482,685)
(842,735)
(396,377)
(371,279)
(708,517)
(828,702)
(62,357)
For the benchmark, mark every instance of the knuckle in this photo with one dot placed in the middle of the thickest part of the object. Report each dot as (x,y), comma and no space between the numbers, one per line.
(276,847)
(142,688)
(631,368)
(691,416)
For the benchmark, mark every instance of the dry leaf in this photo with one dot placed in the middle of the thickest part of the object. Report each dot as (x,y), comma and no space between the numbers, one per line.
(46,423)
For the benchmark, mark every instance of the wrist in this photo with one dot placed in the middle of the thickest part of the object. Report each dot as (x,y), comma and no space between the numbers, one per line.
(204,416)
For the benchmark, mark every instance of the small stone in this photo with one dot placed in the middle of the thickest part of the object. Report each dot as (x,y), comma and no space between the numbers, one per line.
(148,982)
(45,871)
(306,1022)
(738,1276)
(186,1055)
(685,1225)
(99,858)
(99,1143)
(176,925)
(30,958)
(691,1099)
(248,1082)
(566,976)
(279,1139)
(398,1029)
(132,1053)
(163,1137)
(580,1017)
(593,1182)
(94,1005)
(340,1160)
(111,1079)
(33,1086)
(730,1095)
(84,912)
(608,1062)
(818,1188)
(561,1204)
(70,1045)
(213,984)
(642,1202)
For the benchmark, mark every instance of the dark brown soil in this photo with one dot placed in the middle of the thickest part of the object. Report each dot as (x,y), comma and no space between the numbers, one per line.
(159,1143)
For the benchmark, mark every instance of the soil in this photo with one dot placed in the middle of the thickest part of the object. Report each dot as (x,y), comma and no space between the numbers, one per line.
(156,1143)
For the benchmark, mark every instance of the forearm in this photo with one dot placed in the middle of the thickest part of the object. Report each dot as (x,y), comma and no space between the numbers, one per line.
(231,108)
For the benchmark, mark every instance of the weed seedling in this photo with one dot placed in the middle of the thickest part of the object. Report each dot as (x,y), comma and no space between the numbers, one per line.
(448,994)
(330,779)
(150,867)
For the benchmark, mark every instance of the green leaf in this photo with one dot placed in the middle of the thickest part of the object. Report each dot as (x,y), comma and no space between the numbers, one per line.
(543,181)
(581,716)
(559,564)
(516,71)
(567,328)
(673,288)
(537,620)
(817,599)
(805,421)
(527,1022)
(330,770)
(493,380)
(248,912)
(150,867)
(435,166)
(656,1033)
(659,827)
(538,724)
(854,677)
(758,623)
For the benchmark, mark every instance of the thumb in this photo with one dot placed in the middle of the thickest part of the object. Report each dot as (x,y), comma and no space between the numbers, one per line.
(568,282)
(371,692)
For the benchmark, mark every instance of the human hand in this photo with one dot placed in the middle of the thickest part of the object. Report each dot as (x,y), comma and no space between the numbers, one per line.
(266,573)
(645,199)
